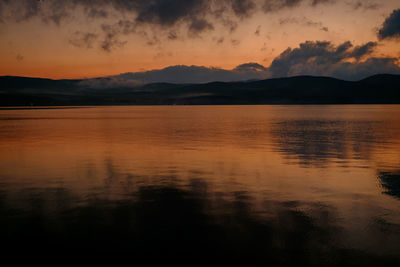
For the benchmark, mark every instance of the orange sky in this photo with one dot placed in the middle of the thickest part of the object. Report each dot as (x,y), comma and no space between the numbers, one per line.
(34,46)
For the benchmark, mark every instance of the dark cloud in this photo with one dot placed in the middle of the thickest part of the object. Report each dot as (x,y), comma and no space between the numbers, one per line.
(317,58)
(229,24)
(360,70)
(364,5)
(391,26)
(235,42)
(112,33)
(1,14)
(197,74)
(198,26)
(362,50)
(49,11)
(264,47)
(134,16)
(96,13)
(322,58)
(276,5)
(172,35)
(318,2)
(20,10)
(83,40)
(243,8)
(19,57)
(342,48)
(165,12)
(153,41)
(304,22)
(219,40)
(111,38)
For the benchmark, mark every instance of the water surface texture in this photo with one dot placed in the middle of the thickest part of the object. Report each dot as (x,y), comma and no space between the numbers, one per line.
(279,185)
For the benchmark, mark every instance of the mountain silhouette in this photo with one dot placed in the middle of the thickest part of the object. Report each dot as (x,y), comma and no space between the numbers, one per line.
(23,91)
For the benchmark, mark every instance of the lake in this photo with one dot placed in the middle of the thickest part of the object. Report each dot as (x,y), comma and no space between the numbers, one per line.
(280,185)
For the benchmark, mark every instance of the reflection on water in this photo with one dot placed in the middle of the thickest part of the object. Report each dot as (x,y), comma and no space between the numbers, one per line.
(391,183)
(279,185)
(318,141)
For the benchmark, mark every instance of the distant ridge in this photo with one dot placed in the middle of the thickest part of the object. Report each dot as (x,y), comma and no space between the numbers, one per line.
(25,91)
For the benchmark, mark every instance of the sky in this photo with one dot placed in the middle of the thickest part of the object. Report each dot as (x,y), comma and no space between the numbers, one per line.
(199,40)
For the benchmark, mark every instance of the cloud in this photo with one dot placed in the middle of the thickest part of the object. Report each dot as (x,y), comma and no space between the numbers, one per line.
(198,74)
(93,12)
(83,40)
(391,26)
(258,30)
(235,42)
(362,50)
(243,8)
(198,26)
(165,13)
(19,10)
(19,57)
(220,40)
(162,13)
(322,58)
(318,2)
(364,5)
(113,33)
(276,5)
(111,38)
(116,18)
(360,70)
(172,35)
(304,22)
(317,58)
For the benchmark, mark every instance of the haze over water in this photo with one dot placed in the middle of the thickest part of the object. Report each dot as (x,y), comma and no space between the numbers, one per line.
(318,185)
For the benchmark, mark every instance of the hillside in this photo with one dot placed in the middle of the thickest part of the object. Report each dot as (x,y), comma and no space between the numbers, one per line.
(377,89)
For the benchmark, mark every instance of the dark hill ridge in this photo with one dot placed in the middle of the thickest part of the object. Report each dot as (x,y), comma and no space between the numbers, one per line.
(377,89)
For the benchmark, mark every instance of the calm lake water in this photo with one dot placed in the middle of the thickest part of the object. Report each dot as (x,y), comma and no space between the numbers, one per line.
(280,185)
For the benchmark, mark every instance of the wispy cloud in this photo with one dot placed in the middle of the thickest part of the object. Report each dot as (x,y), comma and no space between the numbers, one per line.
(303,21)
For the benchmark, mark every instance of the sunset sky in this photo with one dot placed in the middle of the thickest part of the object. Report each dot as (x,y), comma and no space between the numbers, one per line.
(78,39)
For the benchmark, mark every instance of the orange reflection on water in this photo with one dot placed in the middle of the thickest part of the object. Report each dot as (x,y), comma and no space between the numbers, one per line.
(310,156)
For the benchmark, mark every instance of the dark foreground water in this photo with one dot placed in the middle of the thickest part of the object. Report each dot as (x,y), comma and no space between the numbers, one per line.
(269,185)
